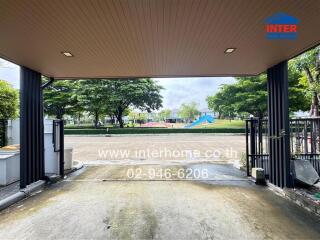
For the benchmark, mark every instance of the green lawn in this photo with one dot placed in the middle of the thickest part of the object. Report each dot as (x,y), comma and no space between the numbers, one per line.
(223,123)
(219,126)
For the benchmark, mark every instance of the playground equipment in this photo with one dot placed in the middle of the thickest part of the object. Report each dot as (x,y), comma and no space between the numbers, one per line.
(203,119)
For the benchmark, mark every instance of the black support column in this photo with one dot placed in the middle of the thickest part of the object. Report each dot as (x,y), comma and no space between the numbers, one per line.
(278,111)
(31,127)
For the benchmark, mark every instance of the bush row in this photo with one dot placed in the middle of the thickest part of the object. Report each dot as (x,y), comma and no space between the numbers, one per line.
(102,127)
(152,130)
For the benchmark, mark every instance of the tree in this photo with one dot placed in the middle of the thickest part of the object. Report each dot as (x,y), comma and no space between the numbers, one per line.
(8,101)
(222,101)
(249,95)
(143,94)
(139,117)
(93,95)
(189,111)
(110,111)
(77,115)
(309,63)
(164,114)
(299,95)
(60,98)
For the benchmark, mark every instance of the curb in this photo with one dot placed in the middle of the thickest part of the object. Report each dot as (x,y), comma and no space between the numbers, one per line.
(75,167)
(296,198)
(23,193)
(32,189)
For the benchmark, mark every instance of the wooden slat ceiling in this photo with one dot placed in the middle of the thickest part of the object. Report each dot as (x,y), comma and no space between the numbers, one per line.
(155,38)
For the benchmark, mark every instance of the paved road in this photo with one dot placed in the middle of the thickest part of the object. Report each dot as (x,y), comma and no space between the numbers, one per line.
(172,147)
(104,202)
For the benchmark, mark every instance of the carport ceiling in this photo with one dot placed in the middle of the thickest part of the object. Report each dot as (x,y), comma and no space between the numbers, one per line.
(150,38)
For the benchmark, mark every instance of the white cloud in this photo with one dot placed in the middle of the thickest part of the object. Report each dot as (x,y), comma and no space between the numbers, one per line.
(176,92)
(10,73)
(185,90)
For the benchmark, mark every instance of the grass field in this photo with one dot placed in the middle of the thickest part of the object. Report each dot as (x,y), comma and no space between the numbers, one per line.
(224,123)
(219,123)
(219,126)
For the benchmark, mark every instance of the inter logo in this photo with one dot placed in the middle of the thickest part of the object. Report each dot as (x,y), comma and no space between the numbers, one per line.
(281,26)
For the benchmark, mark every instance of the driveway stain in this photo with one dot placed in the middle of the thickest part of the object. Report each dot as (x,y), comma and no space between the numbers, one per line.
(134,220)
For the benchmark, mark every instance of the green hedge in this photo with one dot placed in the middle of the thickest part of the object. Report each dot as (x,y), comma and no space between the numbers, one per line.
(84,127)
(152,130)
(105,127)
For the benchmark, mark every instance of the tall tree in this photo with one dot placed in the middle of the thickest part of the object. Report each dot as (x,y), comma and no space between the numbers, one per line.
(93,97)
(309,63)
(138,117)
(164,114)
(222,102)
(249,95)
(189,111)
(8,101)
(110,111)
(299,94)
(60,98)
(143,94)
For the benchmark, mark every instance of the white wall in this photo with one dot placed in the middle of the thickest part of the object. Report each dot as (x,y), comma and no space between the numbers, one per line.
(51,157)
(13,131)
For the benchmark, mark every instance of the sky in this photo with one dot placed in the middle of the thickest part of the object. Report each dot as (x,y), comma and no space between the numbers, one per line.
(176,90)
(186,90)
(10,72)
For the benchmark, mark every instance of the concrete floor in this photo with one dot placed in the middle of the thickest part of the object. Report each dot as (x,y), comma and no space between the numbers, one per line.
(103,201)
(92,204)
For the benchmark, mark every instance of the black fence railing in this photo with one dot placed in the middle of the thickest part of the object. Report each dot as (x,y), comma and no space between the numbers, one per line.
(304,142)
(257,153)
(3,133)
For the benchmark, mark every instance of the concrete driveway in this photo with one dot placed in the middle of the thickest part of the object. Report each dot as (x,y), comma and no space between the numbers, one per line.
(102,202)
(156,199)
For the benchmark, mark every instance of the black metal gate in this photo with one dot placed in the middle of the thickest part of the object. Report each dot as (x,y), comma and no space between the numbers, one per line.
(58,143)
(257,149)
(304,142)
(3,132)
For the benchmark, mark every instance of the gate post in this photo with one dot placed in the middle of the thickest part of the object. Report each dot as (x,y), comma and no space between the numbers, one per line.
(3,132)
(61,153)
(278,124)
(31,127)
(253,142)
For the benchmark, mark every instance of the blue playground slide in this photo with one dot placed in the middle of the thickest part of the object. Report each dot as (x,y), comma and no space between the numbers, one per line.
(203,119)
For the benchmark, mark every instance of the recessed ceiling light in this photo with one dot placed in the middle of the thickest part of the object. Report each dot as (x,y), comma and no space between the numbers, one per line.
(67,54)
(229,50)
